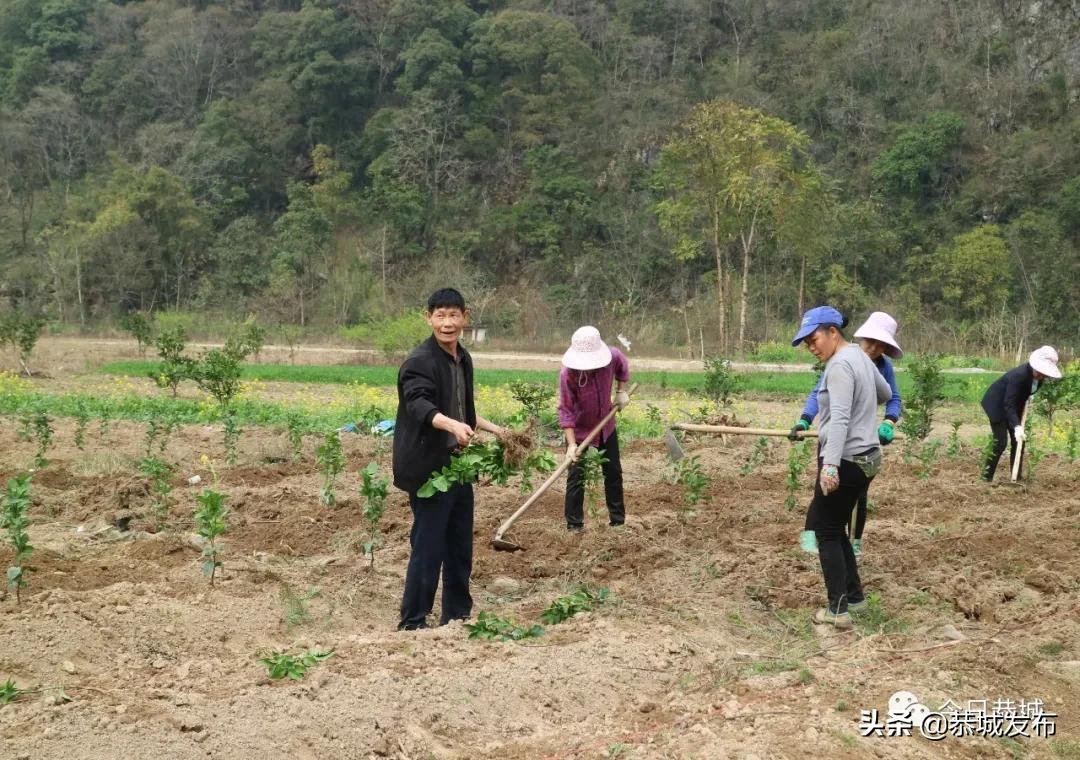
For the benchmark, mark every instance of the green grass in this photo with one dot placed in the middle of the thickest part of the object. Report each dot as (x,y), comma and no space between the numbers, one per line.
(787,385)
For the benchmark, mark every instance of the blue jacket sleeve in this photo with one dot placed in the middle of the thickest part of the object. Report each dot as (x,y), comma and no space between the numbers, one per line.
(892,406)
(810,411)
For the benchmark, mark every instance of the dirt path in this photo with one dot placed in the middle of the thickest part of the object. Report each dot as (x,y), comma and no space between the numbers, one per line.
(63,354)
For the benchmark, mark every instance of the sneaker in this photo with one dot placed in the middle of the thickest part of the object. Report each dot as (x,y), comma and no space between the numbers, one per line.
(618,524)
(856,546)
(808,541)
(825,617)
(860,606)
(576,528)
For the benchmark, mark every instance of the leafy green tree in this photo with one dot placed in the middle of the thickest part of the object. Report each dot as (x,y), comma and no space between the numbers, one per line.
(726,173)
(921,159)
(968,273)
(540,70)
(301,238)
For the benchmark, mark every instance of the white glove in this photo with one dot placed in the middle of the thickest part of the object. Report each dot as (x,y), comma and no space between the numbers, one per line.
(622,398)
(571,452)
(1018,433)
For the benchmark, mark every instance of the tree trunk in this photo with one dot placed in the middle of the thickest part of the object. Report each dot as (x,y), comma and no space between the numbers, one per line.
(78,289)
(802,285)
(747,240)
(383,254)
(686,323)
(719,252)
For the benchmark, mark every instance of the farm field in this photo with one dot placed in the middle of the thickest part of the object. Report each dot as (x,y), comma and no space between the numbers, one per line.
(704,646)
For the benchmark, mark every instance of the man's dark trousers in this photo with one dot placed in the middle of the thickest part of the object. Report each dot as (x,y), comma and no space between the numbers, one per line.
(442,541)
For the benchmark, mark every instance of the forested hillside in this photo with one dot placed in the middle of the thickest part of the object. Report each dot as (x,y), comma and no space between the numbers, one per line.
(328,163)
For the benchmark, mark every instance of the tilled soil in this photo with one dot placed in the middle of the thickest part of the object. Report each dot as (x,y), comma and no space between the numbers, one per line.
(706,648)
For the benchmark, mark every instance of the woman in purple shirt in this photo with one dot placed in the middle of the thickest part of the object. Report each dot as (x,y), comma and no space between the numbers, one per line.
(589,369)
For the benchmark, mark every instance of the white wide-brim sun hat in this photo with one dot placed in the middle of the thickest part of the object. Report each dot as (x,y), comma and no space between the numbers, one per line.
(1045,359)
(587,350)
(881,327)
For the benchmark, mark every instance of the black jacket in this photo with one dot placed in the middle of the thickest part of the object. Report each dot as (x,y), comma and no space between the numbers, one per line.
(425,387)
(1006,398)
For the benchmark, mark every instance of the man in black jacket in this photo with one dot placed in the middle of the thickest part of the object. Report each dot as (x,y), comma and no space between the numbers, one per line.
(435,417)
(1005,399)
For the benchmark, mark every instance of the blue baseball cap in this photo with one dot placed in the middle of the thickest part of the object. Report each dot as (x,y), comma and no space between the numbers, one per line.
(815,318)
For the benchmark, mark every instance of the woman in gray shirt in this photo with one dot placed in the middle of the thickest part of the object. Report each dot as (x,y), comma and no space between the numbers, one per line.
(849,455)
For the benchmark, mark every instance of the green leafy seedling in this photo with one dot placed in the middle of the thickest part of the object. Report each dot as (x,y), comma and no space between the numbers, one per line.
(689,474)
(757,456)
(953,448)
(296,611)
(592,476)
(296,427)
(796,465)
(43,433)
(82,419)
(927,456)
(9,692)
(373,489)
(210,523)
(492,627)
(174,367)
(283,665)
(15,520)
(332,460)
(565,607)
(160,474)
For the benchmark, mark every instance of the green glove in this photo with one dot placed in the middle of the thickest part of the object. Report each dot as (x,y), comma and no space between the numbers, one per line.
(885,433)
(801,426)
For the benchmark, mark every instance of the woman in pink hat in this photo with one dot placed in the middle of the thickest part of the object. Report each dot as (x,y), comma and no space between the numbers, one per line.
(590,367)
(877,337)
(1005,399)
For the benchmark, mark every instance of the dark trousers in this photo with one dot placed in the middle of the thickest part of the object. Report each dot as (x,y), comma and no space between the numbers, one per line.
(1003,436)
(442,541)
(860,513)
(828,517)
(613,488)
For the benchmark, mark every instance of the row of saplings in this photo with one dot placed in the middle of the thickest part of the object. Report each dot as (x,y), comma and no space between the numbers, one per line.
(211,522)
(493,462)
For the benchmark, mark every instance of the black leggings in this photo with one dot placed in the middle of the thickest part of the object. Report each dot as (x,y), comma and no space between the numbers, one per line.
(828,517)
(1003,436)
(860,516)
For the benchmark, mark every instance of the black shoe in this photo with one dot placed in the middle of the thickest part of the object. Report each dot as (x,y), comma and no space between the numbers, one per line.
(576,528)
(616,523)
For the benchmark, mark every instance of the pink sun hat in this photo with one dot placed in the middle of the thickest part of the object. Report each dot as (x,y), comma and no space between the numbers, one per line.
(1045,359)
(587,350)
(881,327)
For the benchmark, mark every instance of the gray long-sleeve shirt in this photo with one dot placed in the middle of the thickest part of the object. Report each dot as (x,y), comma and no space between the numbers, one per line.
(851,390)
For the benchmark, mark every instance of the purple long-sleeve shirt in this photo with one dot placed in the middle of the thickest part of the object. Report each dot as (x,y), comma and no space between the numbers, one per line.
(585,396)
